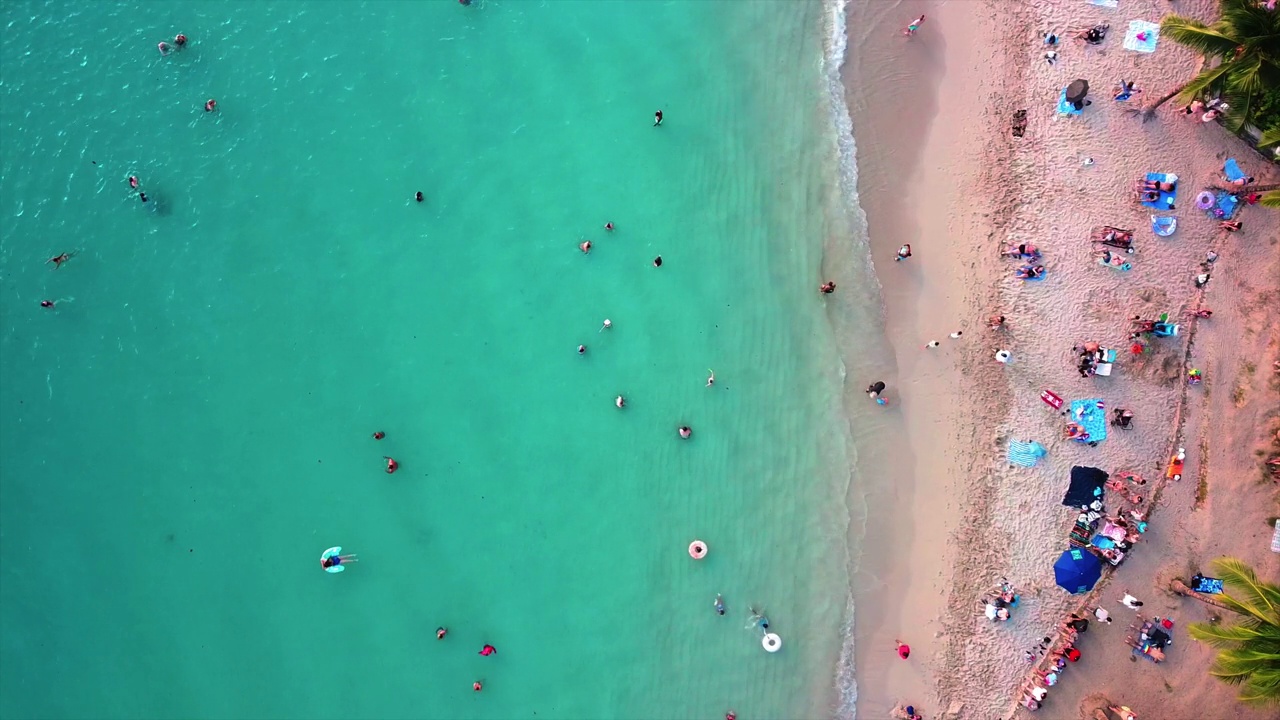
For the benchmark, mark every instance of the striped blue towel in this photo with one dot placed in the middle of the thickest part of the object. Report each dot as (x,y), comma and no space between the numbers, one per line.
(1026,453)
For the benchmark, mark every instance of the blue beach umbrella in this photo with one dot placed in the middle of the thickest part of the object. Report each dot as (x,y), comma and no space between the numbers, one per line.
(1077,571)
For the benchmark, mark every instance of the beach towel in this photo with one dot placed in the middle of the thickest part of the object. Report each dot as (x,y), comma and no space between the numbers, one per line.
(1149,30)
(1066,108)
(1275,538)
(1224,205)
(1026,454)
(1092,416)
(1166,199)
(1086,486)
(1113,4)
(1209,586)
(1232,170)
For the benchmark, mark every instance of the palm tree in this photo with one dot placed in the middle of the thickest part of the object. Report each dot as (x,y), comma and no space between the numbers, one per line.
(1270,197)
(1249,653)
(1246,43)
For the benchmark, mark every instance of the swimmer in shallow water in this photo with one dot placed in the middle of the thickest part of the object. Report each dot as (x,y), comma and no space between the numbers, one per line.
(719,604)
(711,379)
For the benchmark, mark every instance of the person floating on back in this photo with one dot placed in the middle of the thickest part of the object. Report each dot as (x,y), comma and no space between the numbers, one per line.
(914,26)
(657,118)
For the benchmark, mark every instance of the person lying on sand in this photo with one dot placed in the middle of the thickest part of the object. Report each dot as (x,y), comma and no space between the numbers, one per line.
(1093,35)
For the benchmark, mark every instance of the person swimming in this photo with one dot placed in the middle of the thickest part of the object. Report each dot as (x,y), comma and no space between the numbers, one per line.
(585,246)
(686,432)
(142,196)
(332,561)
(180,40)
(379,435)
(57,260)
(488,650)
(657,118)
(418,196)
(719,605)
(657,262)
(441,632)
(163,47)
(392,465)
(210,105)
(46,304)
(582,349)
(608,226)
(711,379)
(133,181)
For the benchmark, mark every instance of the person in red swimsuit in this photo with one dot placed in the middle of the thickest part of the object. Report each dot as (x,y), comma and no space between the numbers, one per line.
(392,465)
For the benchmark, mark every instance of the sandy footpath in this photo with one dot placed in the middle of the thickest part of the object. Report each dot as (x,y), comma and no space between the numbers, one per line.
(939,169)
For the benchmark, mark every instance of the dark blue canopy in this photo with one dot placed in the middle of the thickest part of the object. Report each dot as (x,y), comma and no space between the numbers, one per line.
(1077,570)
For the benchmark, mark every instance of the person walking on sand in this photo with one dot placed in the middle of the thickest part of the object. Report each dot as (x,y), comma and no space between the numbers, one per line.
(1130,601)
(711,379)
(904,650)
(911,29)
(874,390)
(932,344)
(904,252)
(1102,614)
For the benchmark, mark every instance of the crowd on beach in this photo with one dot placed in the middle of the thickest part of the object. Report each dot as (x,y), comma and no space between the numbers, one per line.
(1108,530)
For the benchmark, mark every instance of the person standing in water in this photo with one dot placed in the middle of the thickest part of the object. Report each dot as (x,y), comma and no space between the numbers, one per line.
(911,29)
(719,605)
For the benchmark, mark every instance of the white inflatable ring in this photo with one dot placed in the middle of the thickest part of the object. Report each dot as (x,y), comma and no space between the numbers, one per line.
(697,549)
(772,642)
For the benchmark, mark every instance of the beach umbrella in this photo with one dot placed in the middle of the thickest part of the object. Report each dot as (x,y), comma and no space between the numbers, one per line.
(1077,91)
(1077,570)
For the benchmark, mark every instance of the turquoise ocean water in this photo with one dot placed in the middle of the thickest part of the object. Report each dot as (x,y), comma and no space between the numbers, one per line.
(190,426)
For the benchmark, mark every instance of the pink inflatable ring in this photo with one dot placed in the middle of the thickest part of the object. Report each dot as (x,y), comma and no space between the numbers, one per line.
(697,549)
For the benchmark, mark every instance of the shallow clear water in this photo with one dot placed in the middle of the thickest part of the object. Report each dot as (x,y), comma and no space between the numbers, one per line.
(190,427)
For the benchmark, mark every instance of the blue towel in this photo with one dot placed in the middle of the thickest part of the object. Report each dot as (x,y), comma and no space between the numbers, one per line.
(1026,454)
(1232,170)
(1092,418)
(1066,108)
(1166,199)
(1224,205)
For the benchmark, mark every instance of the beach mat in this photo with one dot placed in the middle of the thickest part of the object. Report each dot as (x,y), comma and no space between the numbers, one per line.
(1150,30)
(1232,170)
(1224,205)
(1167,199)
(1086,486)
(1092,416)
(1207,585)
(1025,453)
(1066,108)
(1113,4)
